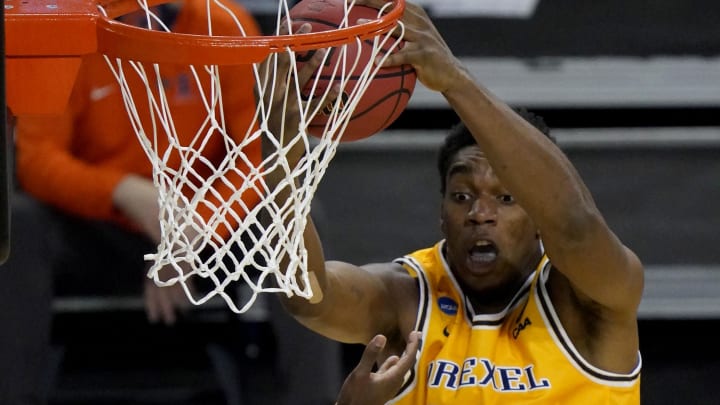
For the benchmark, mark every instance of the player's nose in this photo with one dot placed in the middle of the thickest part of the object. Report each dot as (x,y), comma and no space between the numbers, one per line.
(482,211)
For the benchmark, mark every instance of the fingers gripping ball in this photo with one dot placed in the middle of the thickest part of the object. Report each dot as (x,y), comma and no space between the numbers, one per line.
(389,91)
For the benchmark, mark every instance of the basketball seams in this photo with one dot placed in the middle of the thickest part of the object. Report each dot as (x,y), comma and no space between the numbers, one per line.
(390,89)
(312,21)
(379,76)
(396,110)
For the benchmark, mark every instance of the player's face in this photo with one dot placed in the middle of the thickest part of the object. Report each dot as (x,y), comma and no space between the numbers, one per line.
(491,241)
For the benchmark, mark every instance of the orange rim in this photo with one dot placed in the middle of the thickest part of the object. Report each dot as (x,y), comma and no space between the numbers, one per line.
(45,41)
(116,39)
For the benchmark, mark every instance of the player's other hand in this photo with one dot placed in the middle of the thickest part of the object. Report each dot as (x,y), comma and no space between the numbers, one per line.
(281,95)
(365,387)
(282,98)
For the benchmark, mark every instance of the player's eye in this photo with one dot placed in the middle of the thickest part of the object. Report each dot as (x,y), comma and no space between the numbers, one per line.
(461,197)
(506,199)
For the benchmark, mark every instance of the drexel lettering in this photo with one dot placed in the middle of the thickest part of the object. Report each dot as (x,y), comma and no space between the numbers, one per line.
(477,372)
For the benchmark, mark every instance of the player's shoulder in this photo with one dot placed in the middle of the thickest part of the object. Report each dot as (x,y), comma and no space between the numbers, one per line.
(398,293)
(399,282)
(393,270)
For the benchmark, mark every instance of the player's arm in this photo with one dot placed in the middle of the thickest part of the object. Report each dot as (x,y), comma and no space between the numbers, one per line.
(358,302)
(350,303)
(538,175)
(600,269)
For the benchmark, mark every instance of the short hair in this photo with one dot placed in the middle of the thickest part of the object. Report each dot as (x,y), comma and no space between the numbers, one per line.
(459,137)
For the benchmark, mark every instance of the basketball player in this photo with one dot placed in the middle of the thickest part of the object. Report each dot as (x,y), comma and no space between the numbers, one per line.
(528,298)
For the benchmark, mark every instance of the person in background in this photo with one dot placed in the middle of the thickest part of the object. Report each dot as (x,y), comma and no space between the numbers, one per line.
(86,211)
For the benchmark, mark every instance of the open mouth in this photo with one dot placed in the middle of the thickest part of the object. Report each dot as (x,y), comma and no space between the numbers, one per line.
(484,252)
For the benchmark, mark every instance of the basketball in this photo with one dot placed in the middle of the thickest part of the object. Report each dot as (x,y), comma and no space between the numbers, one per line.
(389,91)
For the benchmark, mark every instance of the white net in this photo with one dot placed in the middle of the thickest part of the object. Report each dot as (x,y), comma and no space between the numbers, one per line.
(220,222)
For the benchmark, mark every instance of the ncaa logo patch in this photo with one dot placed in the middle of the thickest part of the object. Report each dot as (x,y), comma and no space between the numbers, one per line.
(447,305)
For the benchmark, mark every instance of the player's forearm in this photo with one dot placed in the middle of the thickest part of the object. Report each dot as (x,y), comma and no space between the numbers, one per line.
(279,187)
(317,278)
(529,164)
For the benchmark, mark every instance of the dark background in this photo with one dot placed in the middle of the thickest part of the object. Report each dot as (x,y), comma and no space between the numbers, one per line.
(379,199)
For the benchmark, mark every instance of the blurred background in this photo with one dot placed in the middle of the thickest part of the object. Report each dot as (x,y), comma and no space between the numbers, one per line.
(631,89)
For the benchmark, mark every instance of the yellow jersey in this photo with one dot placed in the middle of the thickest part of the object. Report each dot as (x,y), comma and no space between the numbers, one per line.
(520,355)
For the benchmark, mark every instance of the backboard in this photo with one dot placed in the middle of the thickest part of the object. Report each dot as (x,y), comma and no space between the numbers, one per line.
(4,159)
(43,43)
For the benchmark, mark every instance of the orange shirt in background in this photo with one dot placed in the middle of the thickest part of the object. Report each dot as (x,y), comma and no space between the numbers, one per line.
(75,160)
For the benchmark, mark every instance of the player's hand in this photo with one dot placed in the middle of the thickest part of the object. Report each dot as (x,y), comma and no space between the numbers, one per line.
(425,49)
(365,387)
(281,94)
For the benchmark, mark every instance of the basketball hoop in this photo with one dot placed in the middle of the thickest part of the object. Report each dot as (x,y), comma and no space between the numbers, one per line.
(213,249)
